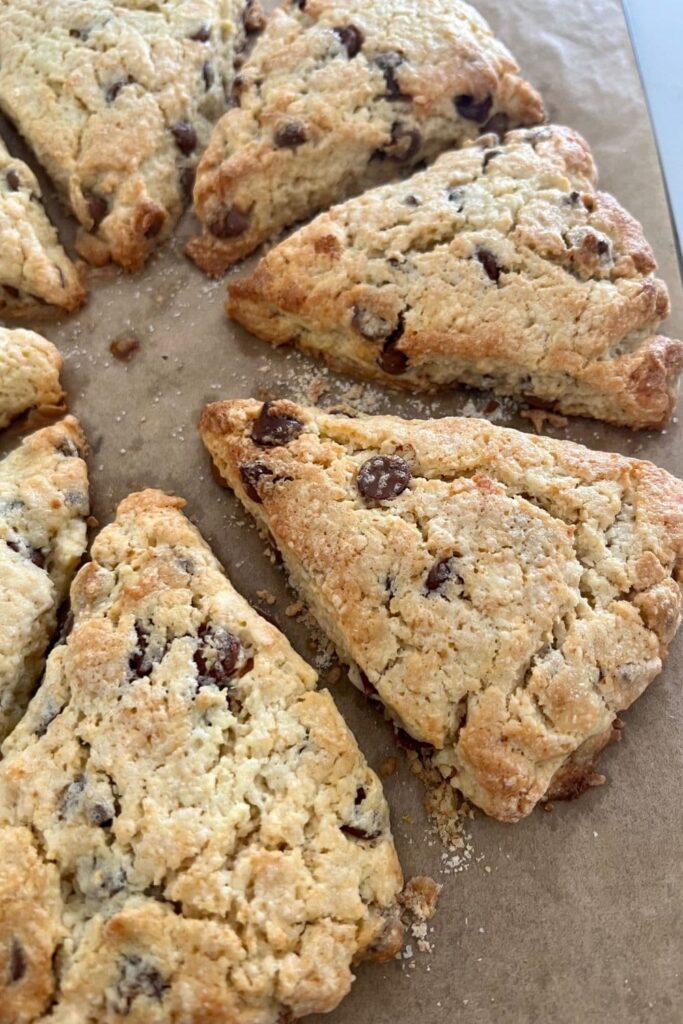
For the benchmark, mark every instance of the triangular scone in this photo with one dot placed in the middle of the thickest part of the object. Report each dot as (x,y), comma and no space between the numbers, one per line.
(500,267)
(36,275)
(338,96)
(43,507)
(224,851)
(117,100)
(29,373)
(503,595)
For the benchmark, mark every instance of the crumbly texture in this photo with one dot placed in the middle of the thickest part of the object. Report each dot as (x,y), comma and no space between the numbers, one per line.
(29,373)
(36,275)
(499,267)
(43,508)
(339,96)
(209,843)
(117,101)
(503,595)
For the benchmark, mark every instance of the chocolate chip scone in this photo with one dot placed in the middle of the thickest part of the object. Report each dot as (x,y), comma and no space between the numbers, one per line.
(338,96)
(503,595)
(29,373)
(206,841)
(499,267)
(43,508)
(36,275)
(117,101)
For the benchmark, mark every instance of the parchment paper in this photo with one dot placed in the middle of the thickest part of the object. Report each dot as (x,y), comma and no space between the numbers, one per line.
(570,917)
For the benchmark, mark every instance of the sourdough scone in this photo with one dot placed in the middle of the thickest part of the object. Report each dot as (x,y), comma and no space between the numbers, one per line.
(503,595)
(206,843)
(36,275)
(117,100)
(338,96)
(499,267)
(43,507)
(29,373)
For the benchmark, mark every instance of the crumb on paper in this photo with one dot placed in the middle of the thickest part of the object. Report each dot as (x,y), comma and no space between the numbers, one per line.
(124,346)
(420,897)
(334,675)
(388,767)
(265,595)
(540,417)
(294,609)
(316,389)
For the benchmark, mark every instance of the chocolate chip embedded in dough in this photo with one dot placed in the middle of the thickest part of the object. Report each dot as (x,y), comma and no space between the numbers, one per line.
(290,135)
(383,477)
(228,223)
(185,137)
(489,263)
(473,109)
(271,429)
(351,37)
(13,180)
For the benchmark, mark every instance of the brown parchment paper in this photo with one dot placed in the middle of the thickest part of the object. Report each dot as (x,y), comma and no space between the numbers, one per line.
(570,917)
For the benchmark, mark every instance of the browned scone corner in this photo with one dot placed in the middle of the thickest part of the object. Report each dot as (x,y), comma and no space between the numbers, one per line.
(339,96)
(505,596)
(188,829)
(499,267)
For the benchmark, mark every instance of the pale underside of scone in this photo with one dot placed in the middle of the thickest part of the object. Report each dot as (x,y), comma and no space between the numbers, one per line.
(340,96)
(44,504)
(29,374)
(206,841)
(117,101)
(504,596)
(37,278)
(500,267)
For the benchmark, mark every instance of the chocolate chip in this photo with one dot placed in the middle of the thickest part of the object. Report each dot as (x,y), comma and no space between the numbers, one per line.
(17,962)
(100,815)
(185,137)
(404,145)
(411,200)
(457,196)
(383,477)
(388,62)
(489,263)
(71,798)
(360,796)
(186,181)
(270,429)
(202,34)
(124,347)
(38,558)
(472,109)
(136,977)
(602,246)
(408,742)
(351,37)
(573,198)
(216,659)
(68,449)
(439,573)
(79,33)
(155,222)
(356,832)
(11,291)
(115,88)
(139,663)
(250,474)
(370,325)
(12,179)
(391,359)
(290,135)
(489,155)
(368,689)
(499,123)
(228,223)
(49,713)
(208,74)
(98,208)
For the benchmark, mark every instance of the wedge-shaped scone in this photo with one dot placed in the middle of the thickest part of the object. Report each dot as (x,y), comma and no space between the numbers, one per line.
(43,507)
(117,100)
(36,275)
(29,373)
(500,267)
(503,595)
(206,842)
(338,96)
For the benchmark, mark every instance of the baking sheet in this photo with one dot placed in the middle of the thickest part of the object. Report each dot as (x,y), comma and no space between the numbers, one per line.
(570,916)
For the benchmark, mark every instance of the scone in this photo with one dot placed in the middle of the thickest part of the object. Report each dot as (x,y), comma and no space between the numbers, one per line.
(188,831)
(504,596)
(499,267)
(36,275)
(117,101)
(29,373)
(43,508)
(339,96)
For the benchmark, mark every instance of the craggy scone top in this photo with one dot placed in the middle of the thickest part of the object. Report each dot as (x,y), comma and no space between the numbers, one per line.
(503,595)
(117,101)
(337,96)
(29,373)
(188,829)
(501,266)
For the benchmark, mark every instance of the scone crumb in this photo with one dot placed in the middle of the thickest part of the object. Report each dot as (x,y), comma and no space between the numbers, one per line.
(388,767)
(267,596)
(420,896)
(294,609)
(540,417)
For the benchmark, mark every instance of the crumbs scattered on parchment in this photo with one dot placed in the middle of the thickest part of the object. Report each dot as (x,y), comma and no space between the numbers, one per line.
(419,900)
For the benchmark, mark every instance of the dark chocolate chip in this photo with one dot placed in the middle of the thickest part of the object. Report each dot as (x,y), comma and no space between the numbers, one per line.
(12,179)
(208,74)
(139,663)
(185,137)
(370,325)
(351,37)
(98,208)
(136,977)
(368,689)
(38,558)
(271,429)
(489,263)
(356,832)
(573,198)
(100,815)
(186,181)
(439,573)
(110,882)
(11,291)
(290,135)
(472,109)
(383,477)
(360,796)
(411,200)
(228,223)
(155,222)
(388,62)
(216,659)
(17,962)
(499,123)
(489,155)
(124,347)
(115,88)
(602,246)
(405,143)
(391,359)
(202,34)
(250,474)
(457,196)
(68,449)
